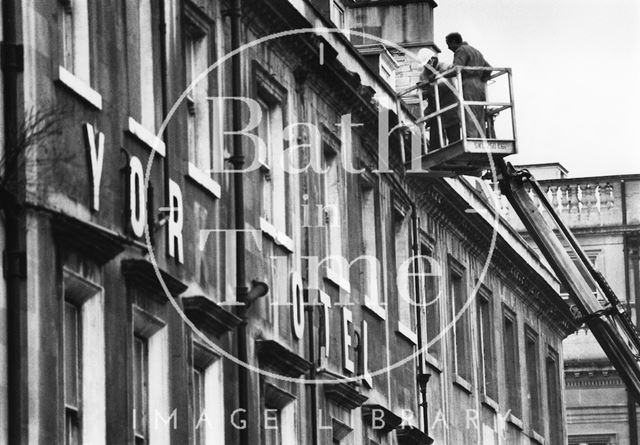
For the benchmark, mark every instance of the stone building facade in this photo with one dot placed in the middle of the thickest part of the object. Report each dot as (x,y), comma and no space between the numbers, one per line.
(603,213)
(139,315)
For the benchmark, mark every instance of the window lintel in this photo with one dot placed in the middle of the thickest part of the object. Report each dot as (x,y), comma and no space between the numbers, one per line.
(196,21)
(145,324)
(78,289)
(267,87)
(203,356)
(456,266)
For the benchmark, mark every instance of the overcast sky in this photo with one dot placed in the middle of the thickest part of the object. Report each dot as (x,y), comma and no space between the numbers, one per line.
(576,66)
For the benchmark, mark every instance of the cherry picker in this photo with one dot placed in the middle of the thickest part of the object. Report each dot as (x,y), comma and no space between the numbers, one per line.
(458,152)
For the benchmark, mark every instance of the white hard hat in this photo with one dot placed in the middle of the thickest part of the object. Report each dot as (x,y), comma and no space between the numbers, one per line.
(423,55)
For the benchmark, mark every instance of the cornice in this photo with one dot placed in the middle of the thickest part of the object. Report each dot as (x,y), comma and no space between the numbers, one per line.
(141,273)
(342,393)
(274,355)
(389,419)
(97,242)
(208,315)
(447,210)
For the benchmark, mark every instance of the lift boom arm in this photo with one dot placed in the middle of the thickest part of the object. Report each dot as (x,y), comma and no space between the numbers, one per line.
(470,155)
(609,322)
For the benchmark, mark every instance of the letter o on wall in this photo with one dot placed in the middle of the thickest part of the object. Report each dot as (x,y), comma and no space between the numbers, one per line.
(137,198)
(297,306)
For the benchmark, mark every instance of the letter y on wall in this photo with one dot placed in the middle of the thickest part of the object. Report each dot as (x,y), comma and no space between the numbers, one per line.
(95,145)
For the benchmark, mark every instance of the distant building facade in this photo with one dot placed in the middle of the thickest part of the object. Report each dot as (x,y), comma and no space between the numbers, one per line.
(604,214)
(389,290)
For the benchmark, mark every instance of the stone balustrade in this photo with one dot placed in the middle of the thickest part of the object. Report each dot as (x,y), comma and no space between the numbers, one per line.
(580,202)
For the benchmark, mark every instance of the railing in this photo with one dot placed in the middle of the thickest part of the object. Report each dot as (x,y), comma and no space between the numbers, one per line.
(447,96)
(580,202)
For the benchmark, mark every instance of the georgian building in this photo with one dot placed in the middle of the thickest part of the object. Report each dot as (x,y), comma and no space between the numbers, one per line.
(602,211)
(155,296)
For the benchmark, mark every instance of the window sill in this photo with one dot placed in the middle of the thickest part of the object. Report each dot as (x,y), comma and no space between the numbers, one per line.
(203,180)
(433,362)
(375,308)
(338,280)
(285,241)
(267,228)
(407,333)
(490,403)
(280,238)
(515,421)
(462,383)
(146,137)
(80,87)
(537,437)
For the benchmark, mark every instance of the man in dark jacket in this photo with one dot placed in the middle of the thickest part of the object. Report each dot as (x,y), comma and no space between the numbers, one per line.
(474,83)
(447,96)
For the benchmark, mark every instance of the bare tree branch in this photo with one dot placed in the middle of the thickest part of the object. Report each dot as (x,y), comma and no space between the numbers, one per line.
(36,154)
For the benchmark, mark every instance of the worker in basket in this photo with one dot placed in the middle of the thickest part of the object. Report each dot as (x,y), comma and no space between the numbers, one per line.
(474,83)
(447,96)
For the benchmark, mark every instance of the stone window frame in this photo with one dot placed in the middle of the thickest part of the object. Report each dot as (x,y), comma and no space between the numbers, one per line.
(200,29)
(509,315)
(81,292)
(401,216)
(489,390)
(153,332)
(458,269)
(370,183)
(74,32)
(427,248)
(203,358)
(270,93)
(532,338)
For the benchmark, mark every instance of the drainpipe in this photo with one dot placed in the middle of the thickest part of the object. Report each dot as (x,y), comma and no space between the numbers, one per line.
(631,403)
(422,377)
(14,261)
(238,187)
(312,375)
(311,308)
(165,98)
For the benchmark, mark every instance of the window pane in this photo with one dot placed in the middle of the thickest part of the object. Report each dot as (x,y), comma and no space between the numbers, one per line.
(198,405)
(371,272)
(265,135)
(532,381)
(279,176)
(403,273)
(190,57)
(512,364)
(67,37)
(461,327)
(332,211)
(553,397)
(71,356)
(488,377)
(72,427)
(432,303)
(146,57)
(74,32)
(199,113)
(140,387)
(264,132)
